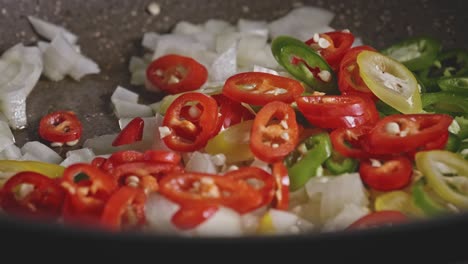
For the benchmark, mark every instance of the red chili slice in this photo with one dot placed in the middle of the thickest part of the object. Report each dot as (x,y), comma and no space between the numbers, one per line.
(60,126)
(260,88)
(163,156)
(349,78)
(88,188)
(274,132)
(184,135)
(258,179)
(43,200)
(175,74)
(393,174)
(125,210)
(131,133)
(189,217)
(340,42)
(379,219)
(416,130)
(347,141)
(281,199)
(121,157)
(192,189)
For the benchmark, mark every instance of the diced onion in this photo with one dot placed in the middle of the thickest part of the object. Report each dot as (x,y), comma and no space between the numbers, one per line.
(20,69)
(200,162)
(257,27)
(50,31)
(225,222)
(159,211)
(122,94)
(126,109)
(150,40)
(6,136)
(41,151)
(11,152)
(84,155)
(225,65)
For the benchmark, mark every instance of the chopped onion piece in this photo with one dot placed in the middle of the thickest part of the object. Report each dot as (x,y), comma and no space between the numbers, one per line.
(50,31)
(185,45)
(126,109)
(159,211)
(30,157)
(43,152)
(136,63)
(261,164)
(124,95)
(301,22)
(224,66)
(336,192)
(158,143)
(288,223)
(11,152)
(249,46)
(187,28)
(225,40)
(357,42)
(61,58)
(139,78)
(84,155)
(6,136)
(350,213)
(20,69)
(225,222)
(253,27)
(200,162)
(150,40)
(217,26)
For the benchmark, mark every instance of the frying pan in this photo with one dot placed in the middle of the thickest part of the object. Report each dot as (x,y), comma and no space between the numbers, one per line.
(110,33)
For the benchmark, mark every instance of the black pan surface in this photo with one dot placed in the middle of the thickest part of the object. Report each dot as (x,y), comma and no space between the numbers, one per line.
(110,32)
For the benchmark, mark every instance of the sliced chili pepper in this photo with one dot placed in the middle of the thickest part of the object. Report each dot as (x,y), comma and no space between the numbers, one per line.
(88,188)
(449,63)
(121,157)
(131,133)
(339,42)
(175,74)
(60,126)
(425,201)
(191,189)
(98,162)
(349,78)
(162,156)
(392,174)
(274,132)
(125,210)
(184,135)
(259,180)
(232,112)
(403,133)
(338,164)
(456,85)
(348,141)
(189,217)
(446,187)
(445,103)
(143,174)
(30,194)
(415,53)
(304,162)
(379,219)
(337,111)
(281,199)
(258,88)
(305,64)
(438,143)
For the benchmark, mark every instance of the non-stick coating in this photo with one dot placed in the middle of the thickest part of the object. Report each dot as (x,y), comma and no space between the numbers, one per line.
(110,33)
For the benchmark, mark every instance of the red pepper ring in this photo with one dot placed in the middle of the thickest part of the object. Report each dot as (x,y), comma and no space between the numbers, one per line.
(274,132)
(258,88)
(131,133)
(379,219)
(122,157)
(147,174)
(60,126)
(192,189)
(43,201)
(175,74)
(392,174)
(88,187)
(331,105)
(182,131)
(189,217)
(340,42)
(258,179)
(347,141)
(124,210)
(415,130)
(281,199)
(162,156)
